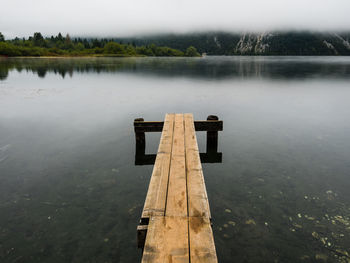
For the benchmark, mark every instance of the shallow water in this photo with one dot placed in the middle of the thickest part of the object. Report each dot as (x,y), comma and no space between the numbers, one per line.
(69,189)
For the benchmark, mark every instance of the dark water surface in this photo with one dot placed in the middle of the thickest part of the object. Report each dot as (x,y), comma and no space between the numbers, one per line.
(69,189)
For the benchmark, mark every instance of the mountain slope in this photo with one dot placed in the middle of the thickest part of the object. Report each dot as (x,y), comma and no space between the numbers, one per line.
(268,43)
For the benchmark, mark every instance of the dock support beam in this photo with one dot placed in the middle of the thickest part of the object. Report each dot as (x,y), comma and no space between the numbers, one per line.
(140,139)
(212,137)
(212,125)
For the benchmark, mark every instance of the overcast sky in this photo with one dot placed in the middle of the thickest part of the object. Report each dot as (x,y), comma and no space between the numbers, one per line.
(132,17)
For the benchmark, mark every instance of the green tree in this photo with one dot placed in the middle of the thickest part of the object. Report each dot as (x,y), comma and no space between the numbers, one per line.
(38,40)
(68,42)
(144,51)
(130,50)
(96,43)
(9,49)
(114,48)
(2,38)
(191,52)
(79,46)
(59,37)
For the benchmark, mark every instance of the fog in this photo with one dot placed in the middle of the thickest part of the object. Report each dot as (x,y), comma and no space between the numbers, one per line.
(134,17)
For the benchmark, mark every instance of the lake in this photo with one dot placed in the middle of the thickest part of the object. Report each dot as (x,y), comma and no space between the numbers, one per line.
(70,190)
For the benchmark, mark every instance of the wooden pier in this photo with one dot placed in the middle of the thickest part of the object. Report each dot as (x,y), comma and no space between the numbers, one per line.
(175,223)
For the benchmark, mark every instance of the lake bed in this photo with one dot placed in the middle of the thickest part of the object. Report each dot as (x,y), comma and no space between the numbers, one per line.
(70,191)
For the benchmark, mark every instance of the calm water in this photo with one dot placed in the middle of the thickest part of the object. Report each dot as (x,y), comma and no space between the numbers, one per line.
(69,189)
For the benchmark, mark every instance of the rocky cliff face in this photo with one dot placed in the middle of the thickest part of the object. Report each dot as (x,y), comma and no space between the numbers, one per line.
(253,43)
(292,44)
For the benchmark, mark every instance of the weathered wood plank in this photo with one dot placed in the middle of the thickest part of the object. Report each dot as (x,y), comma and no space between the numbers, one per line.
(167,240)
(198,204)
(202,246)
(157,191)
(177,191)
(157,126)
(177,206)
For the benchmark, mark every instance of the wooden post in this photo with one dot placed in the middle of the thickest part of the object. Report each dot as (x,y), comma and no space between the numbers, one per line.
(140,140)
(212,137)
(141,235)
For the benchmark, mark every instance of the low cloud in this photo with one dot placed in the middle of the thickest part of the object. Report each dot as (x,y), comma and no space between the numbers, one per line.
(134,17)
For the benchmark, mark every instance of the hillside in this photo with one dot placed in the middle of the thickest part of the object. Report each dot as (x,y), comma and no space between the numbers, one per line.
(268,43)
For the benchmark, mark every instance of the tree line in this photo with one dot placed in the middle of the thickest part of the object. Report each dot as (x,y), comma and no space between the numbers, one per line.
(60,45)
(277,43)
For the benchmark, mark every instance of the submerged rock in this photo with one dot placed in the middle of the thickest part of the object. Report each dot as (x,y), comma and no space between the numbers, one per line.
(322,257)
(250,222)
(309,217)
(297,226)
(304,257)
(342,220)
(231,223)
(331,195)
(343,252)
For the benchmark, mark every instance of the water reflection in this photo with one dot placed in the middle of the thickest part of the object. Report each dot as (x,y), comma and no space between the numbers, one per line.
(207,68)
(70,190)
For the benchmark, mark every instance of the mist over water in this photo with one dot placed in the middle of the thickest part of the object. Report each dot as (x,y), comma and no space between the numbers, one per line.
(70,191)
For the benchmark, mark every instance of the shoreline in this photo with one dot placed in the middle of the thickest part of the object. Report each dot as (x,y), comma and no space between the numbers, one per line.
(99,56)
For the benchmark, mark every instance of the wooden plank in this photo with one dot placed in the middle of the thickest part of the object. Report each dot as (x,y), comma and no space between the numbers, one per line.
(167,240)
(202,244)
(198,204)
(157,126)
(177,206)
(157,190)
(177,190)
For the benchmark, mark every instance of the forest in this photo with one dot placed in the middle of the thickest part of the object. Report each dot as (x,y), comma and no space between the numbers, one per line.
(281,43)
(60,45)
(297,43)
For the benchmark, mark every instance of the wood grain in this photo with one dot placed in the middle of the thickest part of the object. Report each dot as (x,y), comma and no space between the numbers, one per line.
(167,240)
(177,190)
(198,204)
(157,190)
(202,244)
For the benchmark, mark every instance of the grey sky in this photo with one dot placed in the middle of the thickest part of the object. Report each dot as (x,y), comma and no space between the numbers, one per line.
(130,17)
